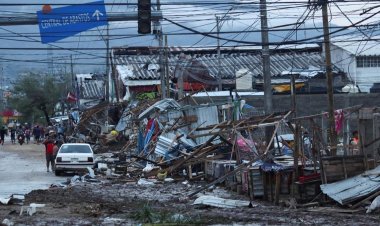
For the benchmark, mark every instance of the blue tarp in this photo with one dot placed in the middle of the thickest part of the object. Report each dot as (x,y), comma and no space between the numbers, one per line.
(274,167)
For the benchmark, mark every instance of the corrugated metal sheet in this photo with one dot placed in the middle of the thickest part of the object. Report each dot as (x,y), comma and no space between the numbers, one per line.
(354,188)
(231,62)
(207,115)
(92,89)
(167,141)
(162,105)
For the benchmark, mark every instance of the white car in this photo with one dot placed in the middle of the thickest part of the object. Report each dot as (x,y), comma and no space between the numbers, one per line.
(73,157)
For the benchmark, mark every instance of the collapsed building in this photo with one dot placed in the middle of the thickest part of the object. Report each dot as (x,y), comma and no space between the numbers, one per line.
(277,157)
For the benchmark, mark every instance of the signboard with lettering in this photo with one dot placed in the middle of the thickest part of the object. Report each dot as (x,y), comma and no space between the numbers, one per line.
(60,23)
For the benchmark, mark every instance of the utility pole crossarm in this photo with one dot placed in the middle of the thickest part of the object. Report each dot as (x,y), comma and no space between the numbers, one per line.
(32,19)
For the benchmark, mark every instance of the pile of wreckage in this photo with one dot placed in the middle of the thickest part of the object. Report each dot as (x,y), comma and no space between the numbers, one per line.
(277,157)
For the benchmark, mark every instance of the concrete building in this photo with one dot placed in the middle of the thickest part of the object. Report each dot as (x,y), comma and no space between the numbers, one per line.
(359,57)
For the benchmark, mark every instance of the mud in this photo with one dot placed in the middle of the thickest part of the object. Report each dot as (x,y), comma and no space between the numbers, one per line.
(117,201)
(131,204)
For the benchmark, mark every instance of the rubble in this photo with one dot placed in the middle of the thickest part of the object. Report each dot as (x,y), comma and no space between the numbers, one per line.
(198,147)
(31,209)
(352,189)
(17,199)
(374,205)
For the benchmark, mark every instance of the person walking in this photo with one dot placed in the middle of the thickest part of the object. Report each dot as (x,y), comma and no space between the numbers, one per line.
(37,134)
(3,133)
(49,143)
(27,135)
(13,135)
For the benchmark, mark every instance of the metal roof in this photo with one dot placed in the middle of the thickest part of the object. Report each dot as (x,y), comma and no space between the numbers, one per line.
(144,63)
(91,89)
(358,48)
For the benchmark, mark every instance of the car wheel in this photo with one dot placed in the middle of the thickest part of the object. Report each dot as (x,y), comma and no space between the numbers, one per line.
(57,172)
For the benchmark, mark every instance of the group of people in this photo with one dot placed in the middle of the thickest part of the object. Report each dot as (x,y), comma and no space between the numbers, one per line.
(24,131)
(38,133)
(52,139)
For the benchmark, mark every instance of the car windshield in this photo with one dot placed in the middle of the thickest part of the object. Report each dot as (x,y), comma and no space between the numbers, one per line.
(75,149)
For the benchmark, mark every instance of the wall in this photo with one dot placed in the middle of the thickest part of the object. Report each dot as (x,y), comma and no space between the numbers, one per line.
(364,77)
(307,104)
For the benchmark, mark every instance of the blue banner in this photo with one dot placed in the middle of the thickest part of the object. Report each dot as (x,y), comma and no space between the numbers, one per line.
(67,21)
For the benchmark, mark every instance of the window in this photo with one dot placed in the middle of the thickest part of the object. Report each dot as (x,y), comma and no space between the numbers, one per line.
(75,149)
(359,61)
(368,61)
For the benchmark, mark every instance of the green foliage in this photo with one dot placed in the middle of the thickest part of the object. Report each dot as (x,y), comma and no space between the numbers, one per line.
(147,215)
(35,95)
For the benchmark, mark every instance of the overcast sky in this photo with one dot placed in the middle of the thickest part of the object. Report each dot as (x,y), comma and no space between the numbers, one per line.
(200,17)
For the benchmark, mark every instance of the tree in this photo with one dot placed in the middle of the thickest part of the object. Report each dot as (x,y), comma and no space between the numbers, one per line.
(35,96)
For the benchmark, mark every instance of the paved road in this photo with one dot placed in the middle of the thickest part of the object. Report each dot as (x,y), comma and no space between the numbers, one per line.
(23,169)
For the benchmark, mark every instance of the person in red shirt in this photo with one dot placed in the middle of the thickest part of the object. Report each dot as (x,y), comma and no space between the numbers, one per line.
(49,150)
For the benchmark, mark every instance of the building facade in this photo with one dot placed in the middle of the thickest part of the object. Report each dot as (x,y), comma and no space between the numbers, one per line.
(359,58)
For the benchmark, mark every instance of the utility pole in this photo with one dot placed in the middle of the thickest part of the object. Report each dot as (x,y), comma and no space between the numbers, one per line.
(218,52)
(161,55)
(329,78)
(107,83)
(297,136)
(266,58)
(72,72)
(167,67)
(266,67)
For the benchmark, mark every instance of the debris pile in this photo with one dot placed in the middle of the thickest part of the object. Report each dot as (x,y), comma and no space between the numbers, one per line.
(234,144)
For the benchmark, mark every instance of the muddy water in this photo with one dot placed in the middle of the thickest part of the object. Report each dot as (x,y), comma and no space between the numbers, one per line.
(23,169)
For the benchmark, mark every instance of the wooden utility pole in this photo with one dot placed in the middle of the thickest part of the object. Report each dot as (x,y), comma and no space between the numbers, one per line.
(72,73)
(218,52)
(266,58)
(329,78)
(167,67)
(297,135)
(266,67)
(107,82)
(161,56)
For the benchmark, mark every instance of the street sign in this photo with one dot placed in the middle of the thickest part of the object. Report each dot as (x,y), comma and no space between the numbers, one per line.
(67,21)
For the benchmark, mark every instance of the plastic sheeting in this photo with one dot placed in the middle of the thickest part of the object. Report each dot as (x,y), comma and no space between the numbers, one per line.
(220,202)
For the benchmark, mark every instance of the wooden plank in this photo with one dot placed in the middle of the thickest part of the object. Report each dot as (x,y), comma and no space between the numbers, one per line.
(278,188)
(192,131)
(326,158)
(365,200)
(182,161)
(231,129)
(332,209)
(352,109)
(239,167)
(190,118)
(361,142)
(344,168)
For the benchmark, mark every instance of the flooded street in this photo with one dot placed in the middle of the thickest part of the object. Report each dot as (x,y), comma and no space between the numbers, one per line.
(23,169)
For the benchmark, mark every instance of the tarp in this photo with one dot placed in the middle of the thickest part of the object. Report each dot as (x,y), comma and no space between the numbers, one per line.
(220,202)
